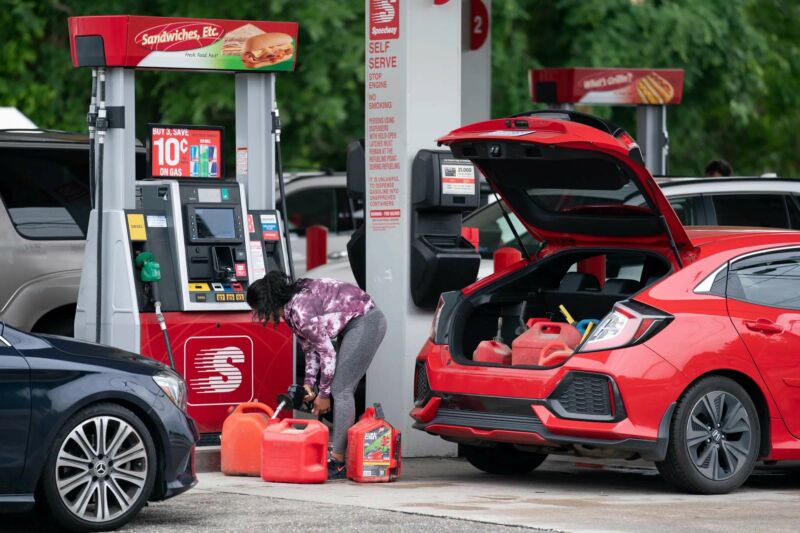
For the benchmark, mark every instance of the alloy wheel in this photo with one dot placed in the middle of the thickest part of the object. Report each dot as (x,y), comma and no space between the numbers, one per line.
(718,435)
(101,468)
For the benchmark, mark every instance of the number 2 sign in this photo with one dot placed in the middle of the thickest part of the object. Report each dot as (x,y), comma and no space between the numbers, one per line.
(479,24)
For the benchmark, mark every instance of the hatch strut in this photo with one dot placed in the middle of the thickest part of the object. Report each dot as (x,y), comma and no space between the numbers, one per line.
(510,225)
(672,242)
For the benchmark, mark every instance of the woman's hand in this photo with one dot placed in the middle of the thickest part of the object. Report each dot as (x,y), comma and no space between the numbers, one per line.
(310,395)
(321,405)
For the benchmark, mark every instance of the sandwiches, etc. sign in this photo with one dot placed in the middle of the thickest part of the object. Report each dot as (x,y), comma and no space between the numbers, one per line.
(191,44)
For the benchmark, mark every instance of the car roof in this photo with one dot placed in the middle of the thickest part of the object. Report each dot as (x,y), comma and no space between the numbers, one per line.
(731,183)
(737,236)
(42,135)
(46,136)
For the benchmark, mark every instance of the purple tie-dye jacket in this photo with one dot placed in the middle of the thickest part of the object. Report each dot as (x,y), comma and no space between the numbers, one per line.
(319,313)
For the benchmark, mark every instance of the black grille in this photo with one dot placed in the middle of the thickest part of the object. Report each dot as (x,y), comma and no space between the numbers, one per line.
(422,388)
(484,420)
(585,394)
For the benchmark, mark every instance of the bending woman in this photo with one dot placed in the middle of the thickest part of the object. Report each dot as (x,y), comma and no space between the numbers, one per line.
(318,310)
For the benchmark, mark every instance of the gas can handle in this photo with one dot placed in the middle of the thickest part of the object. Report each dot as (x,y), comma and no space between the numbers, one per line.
(253,406)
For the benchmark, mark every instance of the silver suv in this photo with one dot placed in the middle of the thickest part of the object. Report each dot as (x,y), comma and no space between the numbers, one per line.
(44,192)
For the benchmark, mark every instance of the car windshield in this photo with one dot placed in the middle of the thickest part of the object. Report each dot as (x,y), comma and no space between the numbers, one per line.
(494,231)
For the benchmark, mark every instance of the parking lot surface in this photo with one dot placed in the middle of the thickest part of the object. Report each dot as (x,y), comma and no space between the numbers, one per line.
(450,495)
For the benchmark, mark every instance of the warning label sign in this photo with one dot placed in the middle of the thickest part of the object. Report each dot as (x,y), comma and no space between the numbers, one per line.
(458,177)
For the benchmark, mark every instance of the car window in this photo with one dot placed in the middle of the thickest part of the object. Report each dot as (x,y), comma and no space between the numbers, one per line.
(794,211)
(344,215)
(689,209)
(312,206)
(46,192)
(762,210)
(770,279)
(494,231)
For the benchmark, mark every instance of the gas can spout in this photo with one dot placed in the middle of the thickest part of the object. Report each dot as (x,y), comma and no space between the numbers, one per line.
(499,336)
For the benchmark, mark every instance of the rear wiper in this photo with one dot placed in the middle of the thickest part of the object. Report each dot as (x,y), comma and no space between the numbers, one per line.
(511,226)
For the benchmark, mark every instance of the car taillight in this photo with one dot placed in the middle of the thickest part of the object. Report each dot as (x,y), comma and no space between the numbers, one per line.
(629,323)
(435,321)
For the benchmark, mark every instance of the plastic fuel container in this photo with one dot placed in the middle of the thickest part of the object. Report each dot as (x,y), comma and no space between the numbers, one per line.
(526,349)
(295,451)
(492,352)
(495,350)
(373,449)
(240,450)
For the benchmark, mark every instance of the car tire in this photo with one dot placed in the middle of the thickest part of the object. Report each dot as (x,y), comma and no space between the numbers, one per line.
(80,475)
(501,459)
(714,438)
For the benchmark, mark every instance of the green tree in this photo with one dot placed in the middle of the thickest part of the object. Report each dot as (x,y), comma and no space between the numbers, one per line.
(741,57)
(321,103)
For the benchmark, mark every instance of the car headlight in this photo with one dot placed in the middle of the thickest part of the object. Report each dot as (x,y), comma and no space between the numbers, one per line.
(173,386)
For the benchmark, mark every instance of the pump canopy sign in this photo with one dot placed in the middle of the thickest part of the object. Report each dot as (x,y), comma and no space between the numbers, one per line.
(184,151)
(184,43)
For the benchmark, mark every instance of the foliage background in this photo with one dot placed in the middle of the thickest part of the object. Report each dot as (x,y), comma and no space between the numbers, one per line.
(742,62)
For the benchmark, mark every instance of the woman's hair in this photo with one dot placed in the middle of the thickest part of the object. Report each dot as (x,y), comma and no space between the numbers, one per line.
(270,294)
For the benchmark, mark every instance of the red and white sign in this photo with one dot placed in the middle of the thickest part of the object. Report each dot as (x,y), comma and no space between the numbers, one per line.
(612,86)
(189,43)
(479,24)
(219,370)
(184,152)
(384,19)
(384,213)
(458,177)
(240,270)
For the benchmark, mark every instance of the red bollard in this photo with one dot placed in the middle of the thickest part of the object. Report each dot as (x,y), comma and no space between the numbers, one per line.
(473,235)
(316,246)
(505,257)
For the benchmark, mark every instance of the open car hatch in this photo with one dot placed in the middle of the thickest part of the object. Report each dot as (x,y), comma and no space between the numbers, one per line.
(573,184)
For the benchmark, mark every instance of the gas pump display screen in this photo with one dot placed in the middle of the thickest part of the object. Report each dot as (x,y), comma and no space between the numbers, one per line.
(215,223)
(176,151)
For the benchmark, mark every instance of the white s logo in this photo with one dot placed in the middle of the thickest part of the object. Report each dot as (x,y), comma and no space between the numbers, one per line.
(383,11)
(218,361)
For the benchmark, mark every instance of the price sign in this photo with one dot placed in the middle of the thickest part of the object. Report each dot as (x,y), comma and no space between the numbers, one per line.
(176,151)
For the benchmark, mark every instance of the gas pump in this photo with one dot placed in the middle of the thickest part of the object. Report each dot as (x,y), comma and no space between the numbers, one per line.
(169,258)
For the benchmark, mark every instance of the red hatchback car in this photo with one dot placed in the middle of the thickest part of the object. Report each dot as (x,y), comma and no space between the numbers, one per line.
(693,363)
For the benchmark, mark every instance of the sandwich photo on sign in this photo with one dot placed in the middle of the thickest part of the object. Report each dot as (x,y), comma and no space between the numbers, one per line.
(234,41)
(267,49)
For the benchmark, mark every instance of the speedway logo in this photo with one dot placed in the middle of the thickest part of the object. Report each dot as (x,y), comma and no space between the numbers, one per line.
(219,370)
(384,19)
(178,36)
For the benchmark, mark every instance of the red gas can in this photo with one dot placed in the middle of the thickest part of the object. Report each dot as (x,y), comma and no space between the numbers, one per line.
(527,348)
(373,449)
(240,443)
(492,352)
(295,451)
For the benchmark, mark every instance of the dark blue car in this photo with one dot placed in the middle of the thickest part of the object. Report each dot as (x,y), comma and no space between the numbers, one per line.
(94,431)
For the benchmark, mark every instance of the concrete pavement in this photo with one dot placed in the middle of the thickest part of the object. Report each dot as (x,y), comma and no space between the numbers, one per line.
(561,495)
(450,495)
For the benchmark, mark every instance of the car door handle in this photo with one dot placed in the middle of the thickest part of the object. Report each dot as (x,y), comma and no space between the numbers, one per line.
(341,254)
(762,325)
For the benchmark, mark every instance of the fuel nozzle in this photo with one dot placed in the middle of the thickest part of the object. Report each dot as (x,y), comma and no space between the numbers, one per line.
(295,398)
(149,268)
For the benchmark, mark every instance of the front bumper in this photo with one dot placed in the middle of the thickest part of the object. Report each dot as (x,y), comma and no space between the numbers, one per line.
(179,437)
(477,405)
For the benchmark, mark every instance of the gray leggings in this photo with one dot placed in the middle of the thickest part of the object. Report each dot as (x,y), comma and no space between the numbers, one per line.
(360,340)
